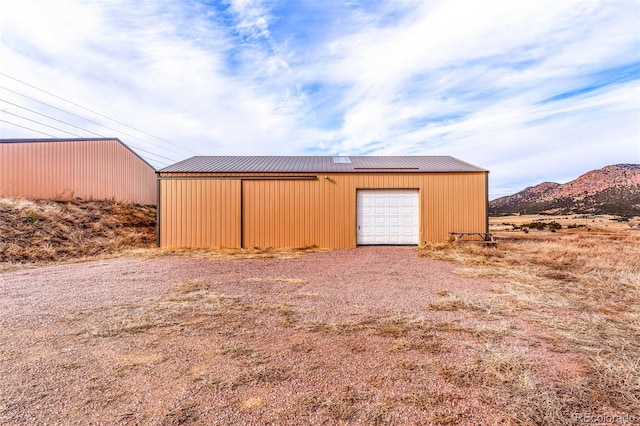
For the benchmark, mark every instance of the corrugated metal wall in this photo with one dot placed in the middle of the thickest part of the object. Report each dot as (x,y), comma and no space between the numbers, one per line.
(89,169)
(200,213)
(321,212)
(280,213)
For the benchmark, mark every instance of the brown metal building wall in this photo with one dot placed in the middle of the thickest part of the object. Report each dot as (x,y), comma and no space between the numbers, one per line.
(280,213)
(321,212)
(200,213)
(89,169)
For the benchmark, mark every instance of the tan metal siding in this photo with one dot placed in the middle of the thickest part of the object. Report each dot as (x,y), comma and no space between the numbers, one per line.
(300,213)
(199,213)
(88,169)
(280,213)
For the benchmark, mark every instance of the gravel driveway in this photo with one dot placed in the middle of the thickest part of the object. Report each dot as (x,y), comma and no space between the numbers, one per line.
(332,336)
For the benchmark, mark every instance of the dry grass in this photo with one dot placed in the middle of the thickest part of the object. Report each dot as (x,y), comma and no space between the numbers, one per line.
(559,334)
(605,222)
(581,291)
(277,280)
(225,253)
(46,231)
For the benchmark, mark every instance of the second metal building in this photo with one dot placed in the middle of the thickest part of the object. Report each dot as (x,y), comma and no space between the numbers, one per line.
(64,169)
(333,202)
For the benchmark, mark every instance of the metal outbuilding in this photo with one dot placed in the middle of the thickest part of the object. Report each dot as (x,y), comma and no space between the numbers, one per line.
(332,202)
(98,169)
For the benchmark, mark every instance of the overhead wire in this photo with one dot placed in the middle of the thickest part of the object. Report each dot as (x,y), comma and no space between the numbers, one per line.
(98,113)
(80,136)
(85,130)
(28,128)
(87,119)
(66,123)
(73,134)
(41,124)
(52,118)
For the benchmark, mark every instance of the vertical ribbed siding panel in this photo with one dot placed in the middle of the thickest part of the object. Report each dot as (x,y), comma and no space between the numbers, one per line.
(350,217)
(322,211)
(280,213)
(215,213)
(299,223)
(199,213)
(220,214)
(438,220)
(100,169)
(192,224)
(247,226)
(274,216)
(163,204)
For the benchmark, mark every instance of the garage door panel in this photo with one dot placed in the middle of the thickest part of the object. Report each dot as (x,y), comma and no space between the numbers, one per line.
(393,216)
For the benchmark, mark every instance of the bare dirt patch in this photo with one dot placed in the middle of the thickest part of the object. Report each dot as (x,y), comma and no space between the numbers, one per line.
(373,335)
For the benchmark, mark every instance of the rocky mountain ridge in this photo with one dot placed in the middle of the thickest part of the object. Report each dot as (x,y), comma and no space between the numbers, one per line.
(613,189)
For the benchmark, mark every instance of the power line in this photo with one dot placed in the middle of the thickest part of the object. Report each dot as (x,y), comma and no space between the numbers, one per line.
(84,118)
(57,137)
(42,124)
(80,136)
(28,128)
(89,120)
(74,134)
(52,118)
(97,113)
(54,136)
(66,123)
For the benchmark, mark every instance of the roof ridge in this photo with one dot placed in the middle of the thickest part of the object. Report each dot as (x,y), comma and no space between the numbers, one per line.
(320,164)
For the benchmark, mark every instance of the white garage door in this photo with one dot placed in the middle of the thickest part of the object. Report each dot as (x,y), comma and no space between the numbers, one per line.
(387,216)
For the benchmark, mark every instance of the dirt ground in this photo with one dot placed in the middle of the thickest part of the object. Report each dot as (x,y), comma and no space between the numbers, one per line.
(345,336)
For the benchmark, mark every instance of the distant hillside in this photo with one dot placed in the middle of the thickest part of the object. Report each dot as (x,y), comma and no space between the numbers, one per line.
(32,231)
(610,190)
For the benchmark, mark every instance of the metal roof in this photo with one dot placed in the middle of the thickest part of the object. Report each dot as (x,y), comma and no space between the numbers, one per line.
(358,164)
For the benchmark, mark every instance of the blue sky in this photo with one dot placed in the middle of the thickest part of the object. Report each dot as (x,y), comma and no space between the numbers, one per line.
(531,90)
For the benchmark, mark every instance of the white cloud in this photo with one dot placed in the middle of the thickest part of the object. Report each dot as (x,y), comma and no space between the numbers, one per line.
(252,77)
(160,67)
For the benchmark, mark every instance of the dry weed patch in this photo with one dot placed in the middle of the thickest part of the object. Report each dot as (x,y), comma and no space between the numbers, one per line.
(277,280)
(443,406)
(194,286)
(47,231)
(341,407)
(223,253)
(581,291)
(251,376)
